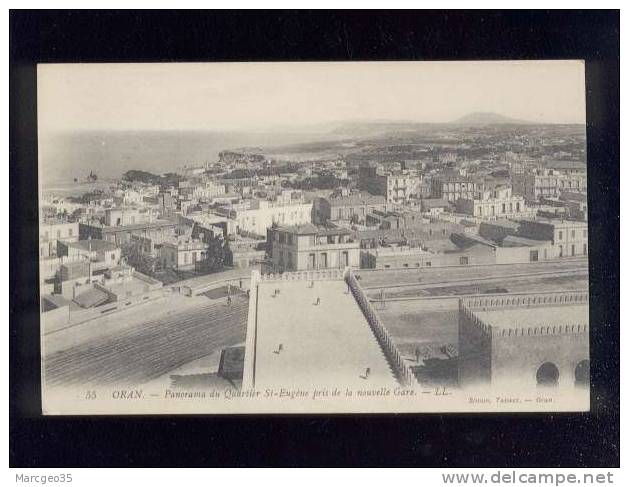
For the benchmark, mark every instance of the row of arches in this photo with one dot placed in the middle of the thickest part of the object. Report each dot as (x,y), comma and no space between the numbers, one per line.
(548,374)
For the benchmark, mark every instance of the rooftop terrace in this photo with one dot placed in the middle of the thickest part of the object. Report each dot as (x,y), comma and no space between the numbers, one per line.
(527,317)
(325,344)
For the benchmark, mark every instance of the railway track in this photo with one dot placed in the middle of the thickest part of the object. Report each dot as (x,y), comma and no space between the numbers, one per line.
(150,349)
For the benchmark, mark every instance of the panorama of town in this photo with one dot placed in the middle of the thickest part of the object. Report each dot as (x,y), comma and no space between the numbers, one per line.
(393,253)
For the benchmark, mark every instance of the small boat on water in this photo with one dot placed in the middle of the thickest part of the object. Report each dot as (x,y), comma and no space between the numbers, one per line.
(92,177)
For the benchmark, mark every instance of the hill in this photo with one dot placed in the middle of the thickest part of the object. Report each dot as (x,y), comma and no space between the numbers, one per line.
(488,118)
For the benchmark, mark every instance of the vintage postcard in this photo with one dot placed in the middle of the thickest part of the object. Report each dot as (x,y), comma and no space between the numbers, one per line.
(388,237)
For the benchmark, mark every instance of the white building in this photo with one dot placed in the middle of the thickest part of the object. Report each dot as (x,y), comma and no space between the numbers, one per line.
(255,216)
(548,183)
(208,190)
(495,204)
(401,187)
(183,253)
(117,217)
(308,247)
(53,231)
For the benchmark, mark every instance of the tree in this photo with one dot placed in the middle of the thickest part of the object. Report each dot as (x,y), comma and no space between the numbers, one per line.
(97,194)
(140,260)
(167,179)
(217,256)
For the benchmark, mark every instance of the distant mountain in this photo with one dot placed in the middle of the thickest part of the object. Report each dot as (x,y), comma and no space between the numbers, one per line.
(370,128)
(488,118)
(377,127)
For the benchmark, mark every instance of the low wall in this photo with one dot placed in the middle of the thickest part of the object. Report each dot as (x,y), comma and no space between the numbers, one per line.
(201,284)
(526,300)
(195,291)
(312,275)
(402,371)
(80,316)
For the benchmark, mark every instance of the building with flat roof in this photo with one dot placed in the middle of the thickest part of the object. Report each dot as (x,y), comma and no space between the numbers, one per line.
(254,216)
(100,254)
(306,247)
(208,190)
(511,250)
(548,183)
(495,204)
(346,209)
(157,230)
(524,340)
(403,186)
(569,238)
(418,234)
(120,217)
(396,257)
(397,186)
(566,166)
(125,283)
(460,249)
(182,253)
(395,219)
(451,188)
(247,252)
(54,230)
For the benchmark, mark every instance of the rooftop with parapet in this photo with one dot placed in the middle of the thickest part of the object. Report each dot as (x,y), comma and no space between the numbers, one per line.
(528,317)
(529,314)
(310,229)
(326,344)
(356,200)
(186,243)
(397,250)
(136,283)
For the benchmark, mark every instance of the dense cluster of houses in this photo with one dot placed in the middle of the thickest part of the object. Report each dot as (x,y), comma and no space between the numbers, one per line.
(117,246)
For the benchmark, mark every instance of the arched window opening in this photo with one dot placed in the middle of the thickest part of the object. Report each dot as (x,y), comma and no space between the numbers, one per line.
(547,375)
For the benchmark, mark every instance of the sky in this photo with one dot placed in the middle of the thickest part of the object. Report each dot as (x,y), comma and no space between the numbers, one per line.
(269,96)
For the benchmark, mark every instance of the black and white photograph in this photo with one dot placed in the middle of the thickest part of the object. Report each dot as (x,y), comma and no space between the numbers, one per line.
(319,238)
(313,237)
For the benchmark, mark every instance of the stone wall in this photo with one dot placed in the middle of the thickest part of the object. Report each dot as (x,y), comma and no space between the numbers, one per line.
(514,354)
(474,349)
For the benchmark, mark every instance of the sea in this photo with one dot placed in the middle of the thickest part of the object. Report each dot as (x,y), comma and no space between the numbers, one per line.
(66,156)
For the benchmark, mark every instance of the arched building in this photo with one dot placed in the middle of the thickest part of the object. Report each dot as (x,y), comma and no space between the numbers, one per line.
(524,340)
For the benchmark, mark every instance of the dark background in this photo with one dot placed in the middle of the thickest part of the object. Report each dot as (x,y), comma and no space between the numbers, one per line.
(452,440)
